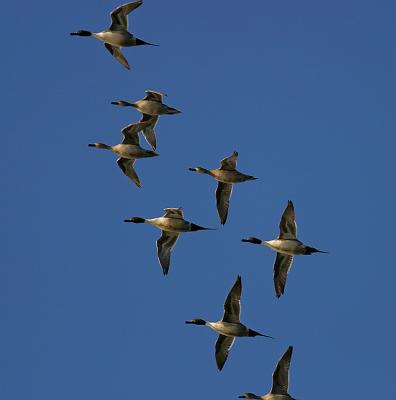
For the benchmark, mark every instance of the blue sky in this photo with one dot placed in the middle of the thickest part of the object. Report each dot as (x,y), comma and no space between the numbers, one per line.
(305,92)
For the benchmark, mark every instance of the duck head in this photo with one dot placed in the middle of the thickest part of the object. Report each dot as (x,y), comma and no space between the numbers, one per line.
(100,146)
(135,220)
(252,240)
(81,33)
(196,322)
(200,170)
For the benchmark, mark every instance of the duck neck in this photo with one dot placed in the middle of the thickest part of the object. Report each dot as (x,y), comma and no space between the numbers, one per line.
(250,396)
(201,170)
(100,146)
(82,33)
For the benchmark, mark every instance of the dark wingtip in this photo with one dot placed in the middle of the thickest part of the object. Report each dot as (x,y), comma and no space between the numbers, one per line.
(91,145)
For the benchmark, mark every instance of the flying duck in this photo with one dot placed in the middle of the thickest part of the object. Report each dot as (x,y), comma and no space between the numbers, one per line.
(151,107)
(129,150)
(230,326)
(172,223)
(226,175)
(117,35)
(280,381)
(286,246)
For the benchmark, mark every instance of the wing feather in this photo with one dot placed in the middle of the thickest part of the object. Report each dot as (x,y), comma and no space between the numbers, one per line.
(232,305)
(223,347)
(165,245)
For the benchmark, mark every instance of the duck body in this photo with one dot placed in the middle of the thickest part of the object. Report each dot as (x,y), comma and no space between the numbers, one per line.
(153,108)
(175,225)
(226,176)
(231,329)
(291,247)
(230,176)
(131,151)
(230,326)
(116,38)
(286,246)
(172,223)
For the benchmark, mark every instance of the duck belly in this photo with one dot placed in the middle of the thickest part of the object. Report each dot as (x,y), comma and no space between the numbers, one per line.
(170,224)
(150,107)
(286,246)
(225,176)
(228,328)
(130,151)
(115,38)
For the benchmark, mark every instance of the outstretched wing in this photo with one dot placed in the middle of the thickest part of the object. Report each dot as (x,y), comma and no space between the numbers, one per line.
(116,53)
(173,213)
(229,163)
(148,130)
(223,347)
(232,305)
(131,133)
(119,16)
(287,225)
(280,377)
(151,95)
(282,267)
(165,245)
(223,194)
(126,165)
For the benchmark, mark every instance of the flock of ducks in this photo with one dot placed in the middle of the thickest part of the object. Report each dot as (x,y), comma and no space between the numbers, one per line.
(172,223)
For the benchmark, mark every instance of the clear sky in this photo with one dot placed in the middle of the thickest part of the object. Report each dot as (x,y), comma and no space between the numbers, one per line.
(305,92)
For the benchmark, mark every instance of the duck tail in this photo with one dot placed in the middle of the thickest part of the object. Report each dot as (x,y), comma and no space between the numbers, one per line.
(195,227)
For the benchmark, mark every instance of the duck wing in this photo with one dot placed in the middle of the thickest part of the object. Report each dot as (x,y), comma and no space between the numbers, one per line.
(117,54)
(287,225)
(280,376)
(119,16)
(165,245)
(126,165)
(232,305)
(223,347)
(151,95)
(131,133)
(174,213)
(148,130)
(223,194)
(229,163)
(282,267)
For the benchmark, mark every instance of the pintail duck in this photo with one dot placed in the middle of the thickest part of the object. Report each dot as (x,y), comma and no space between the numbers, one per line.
(117,35)
(230,326)
(286,246)
(151,107)
(172,223)
(129,150)
(280,381)
(226,175)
